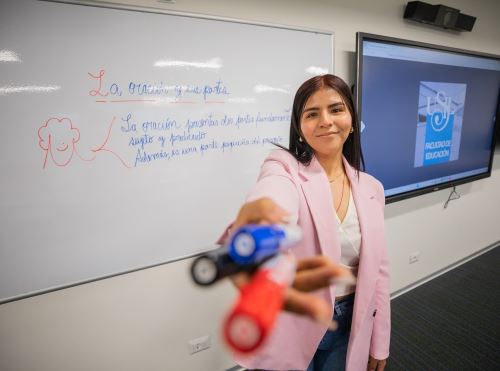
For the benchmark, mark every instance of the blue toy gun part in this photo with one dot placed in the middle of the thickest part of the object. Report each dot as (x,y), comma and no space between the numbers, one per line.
(253,243)
(208,268)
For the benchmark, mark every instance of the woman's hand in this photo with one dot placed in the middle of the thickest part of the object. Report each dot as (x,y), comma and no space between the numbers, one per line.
(313,273)
(376,364)
(261,211)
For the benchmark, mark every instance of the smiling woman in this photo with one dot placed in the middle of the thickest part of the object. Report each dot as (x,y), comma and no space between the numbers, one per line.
(299,147)
(318,184)
(326,123)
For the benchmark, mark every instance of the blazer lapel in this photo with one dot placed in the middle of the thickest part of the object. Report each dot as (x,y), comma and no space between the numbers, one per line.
(319,200)
(366,208)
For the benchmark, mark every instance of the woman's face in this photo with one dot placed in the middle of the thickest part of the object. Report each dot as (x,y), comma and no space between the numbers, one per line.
(325,122)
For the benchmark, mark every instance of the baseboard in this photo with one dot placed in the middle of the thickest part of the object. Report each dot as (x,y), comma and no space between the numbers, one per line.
(236,368)
(430,277)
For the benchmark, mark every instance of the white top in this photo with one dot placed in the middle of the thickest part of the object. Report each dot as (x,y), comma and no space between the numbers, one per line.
(350,243)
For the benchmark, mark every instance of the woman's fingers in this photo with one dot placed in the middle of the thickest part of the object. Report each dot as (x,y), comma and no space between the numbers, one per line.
(372,364)
(312,273)
(318,272)
(312,262)
(309,305)
(261,211)
(376,364)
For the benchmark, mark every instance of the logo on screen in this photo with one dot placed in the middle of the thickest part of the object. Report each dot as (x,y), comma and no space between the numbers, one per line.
(439,111)
(439,124)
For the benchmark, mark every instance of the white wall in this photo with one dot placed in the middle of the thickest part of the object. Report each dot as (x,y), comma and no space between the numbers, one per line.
(143,320)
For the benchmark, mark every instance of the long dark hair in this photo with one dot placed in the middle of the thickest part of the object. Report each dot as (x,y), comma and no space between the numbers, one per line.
(298,146)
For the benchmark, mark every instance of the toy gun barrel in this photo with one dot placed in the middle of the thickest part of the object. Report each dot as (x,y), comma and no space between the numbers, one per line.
(253,316)
(253,243)
(249,247)
(215,265)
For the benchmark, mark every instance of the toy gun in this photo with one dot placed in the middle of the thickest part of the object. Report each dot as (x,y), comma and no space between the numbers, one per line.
(261,250)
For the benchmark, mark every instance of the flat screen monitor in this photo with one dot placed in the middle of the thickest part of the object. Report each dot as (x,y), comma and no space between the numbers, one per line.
(427,114)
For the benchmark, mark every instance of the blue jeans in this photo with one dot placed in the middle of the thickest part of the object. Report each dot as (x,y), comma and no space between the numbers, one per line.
(332,350)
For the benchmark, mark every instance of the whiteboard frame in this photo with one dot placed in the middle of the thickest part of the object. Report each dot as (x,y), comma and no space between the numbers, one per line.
(150,9)
(109,5)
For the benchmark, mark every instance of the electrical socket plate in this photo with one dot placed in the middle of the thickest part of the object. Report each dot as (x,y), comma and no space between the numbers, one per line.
(199,344)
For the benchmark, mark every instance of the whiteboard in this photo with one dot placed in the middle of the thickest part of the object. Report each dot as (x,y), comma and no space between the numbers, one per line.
(129,137)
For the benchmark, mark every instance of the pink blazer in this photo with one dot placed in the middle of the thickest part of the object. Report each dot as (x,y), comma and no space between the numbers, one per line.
(304,191)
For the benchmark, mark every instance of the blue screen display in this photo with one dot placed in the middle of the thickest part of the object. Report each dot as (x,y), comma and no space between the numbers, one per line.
(427,115)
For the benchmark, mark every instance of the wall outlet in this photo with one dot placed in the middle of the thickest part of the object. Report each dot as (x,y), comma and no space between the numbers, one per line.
(414,257)
(199,344)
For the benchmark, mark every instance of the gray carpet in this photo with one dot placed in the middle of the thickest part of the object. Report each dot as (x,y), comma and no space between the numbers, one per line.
(452,322)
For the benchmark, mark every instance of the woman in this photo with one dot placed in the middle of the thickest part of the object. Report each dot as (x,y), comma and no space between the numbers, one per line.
(318,184)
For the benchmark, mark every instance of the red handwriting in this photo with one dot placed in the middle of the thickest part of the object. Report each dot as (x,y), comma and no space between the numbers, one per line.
(98,91)
(103,146)
(156,101)
(58,138)
(126,100)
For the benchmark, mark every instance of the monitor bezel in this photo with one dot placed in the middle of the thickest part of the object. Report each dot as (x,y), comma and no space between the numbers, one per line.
(363,36)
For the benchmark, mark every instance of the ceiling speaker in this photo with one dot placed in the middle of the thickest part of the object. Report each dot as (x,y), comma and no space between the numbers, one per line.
(439,15)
